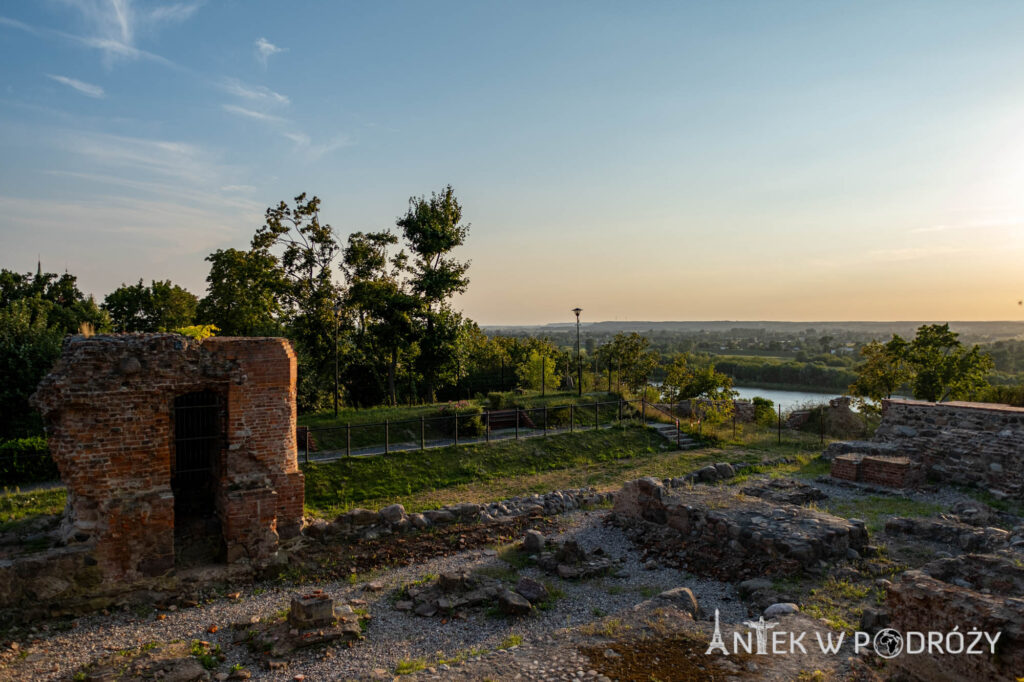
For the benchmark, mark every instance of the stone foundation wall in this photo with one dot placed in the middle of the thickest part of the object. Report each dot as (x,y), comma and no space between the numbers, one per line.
(715,532)
(979,444)
(971,592)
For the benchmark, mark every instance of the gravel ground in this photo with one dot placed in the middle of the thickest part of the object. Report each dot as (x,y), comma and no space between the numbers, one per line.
(392,636)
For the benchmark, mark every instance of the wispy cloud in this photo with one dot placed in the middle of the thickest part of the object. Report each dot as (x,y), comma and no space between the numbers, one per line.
(266,49)
(255,93)
(311,151)
(249,113)
(300,139)
(113,26)
(81,86)
(138,157)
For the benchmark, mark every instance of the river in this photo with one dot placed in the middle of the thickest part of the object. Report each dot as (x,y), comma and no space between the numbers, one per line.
(787,399)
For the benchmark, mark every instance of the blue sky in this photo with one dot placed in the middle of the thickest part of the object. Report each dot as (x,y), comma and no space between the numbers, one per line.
(726,160)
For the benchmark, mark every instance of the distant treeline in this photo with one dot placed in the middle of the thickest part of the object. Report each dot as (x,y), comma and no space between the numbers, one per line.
(791,374)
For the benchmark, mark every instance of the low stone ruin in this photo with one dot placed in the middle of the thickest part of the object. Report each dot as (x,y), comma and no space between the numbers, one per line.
(715,532)
(313,619)
(368,524)
(978,444)
(948,530)
(785,491)
(455,591)
(967,594)
(566,559)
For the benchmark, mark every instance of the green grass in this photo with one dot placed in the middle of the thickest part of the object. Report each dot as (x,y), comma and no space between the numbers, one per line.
(840,603)
(335,486)
(404,422)
(875,510)
(18,507)
(407,666)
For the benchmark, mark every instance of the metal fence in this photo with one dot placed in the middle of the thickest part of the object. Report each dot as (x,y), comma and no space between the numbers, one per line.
(476,425)
(463,428)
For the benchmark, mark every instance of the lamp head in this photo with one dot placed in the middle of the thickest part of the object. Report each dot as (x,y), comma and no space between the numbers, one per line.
(577,311)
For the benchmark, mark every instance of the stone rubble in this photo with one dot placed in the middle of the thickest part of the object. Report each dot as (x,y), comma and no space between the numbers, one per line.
(715,532)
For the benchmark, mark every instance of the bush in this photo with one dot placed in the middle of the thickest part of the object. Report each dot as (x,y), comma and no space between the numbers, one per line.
(471,422)
(497,400)
(26,460)
(1008,395)
(764,411)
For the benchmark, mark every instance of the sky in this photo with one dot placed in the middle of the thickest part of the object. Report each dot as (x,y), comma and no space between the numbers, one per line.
(643,161)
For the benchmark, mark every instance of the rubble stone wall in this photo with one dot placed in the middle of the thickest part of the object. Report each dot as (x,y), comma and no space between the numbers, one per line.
(713,531)
(108,408)
(979,444)
(970,593)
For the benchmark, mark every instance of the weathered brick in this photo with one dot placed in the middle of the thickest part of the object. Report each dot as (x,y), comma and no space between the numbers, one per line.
(108,406)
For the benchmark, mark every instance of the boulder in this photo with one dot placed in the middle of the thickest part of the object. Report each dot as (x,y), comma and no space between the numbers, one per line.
(532,590)
(513,604)
(781,609)
(533,542)
(393,513)
(683,599)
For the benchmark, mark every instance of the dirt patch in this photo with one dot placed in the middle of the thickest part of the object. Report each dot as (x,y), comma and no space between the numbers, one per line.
(679,657)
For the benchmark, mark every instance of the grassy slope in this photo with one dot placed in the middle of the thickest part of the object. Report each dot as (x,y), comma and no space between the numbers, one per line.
(333,486)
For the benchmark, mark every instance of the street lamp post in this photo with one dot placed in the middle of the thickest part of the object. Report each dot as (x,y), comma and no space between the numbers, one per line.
(337,331)
(579,366)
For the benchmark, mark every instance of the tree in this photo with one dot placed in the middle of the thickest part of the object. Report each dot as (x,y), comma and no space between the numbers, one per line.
(383,308)
(538,370)
(242,292)
(630,353)
(160,307)
(885,369)
(944,368)
(36,313)
(935,363)
(687,381)
(433,228)
(304,251)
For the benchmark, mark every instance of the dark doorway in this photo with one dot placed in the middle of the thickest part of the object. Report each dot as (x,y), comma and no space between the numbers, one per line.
(198,439)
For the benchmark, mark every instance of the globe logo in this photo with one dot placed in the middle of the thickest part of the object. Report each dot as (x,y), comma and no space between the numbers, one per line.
(888,643)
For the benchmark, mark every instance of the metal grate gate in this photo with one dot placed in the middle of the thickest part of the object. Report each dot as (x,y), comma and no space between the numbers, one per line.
(198,438)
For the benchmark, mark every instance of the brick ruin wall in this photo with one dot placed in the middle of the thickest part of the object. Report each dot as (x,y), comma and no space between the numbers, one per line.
(970,592)
(108,407)
(977,444)
(891,472)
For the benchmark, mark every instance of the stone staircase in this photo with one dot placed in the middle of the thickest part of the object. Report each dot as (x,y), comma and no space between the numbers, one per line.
(668,431)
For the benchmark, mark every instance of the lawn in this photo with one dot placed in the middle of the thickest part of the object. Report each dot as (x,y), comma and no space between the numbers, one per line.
(333,486)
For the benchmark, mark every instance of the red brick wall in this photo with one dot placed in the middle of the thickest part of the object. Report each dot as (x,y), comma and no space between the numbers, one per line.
(108,408)
(846,467)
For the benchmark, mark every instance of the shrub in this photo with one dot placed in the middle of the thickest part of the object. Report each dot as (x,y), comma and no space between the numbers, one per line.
(26,460)
(764,411)
(470,419)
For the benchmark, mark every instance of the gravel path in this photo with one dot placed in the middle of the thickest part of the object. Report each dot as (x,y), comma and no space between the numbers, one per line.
(392,636)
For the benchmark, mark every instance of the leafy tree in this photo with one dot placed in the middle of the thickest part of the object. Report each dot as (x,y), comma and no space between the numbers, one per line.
(242,292)
(885,369)
(944,368)
(36,313)
(538,370)
(630,353)
(304,250)
(433,228)
(382,307)
(687,381)
(160,307)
